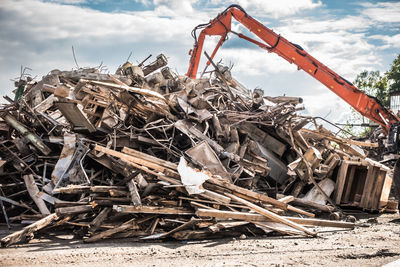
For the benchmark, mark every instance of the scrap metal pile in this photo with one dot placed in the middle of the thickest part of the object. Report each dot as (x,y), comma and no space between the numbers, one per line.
(148,154)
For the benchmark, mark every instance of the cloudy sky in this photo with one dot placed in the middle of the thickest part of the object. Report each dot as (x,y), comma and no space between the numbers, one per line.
(348,36)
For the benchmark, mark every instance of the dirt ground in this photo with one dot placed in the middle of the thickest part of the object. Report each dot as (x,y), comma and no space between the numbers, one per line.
(375,242)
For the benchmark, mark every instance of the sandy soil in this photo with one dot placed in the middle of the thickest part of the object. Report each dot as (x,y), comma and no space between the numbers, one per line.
(374,243)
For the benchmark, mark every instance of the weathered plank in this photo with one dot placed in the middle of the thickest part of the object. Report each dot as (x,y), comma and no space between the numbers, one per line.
(272,215)
(152,210)
(21,235)
(255,217)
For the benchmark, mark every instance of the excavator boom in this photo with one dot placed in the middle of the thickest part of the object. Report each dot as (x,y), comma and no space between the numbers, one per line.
(367,105)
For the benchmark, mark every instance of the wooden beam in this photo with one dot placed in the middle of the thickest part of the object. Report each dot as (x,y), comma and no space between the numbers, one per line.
(152,210)
(286,199)
(249,193)
(128,158)
(214,202)
(21,235)
(79,189)
(135,153)
(271,215)
(73,210)
(255,217)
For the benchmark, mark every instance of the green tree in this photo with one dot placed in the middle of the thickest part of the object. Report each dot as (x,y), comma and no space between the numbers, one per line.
(377,85)
(374,84)
(393,76)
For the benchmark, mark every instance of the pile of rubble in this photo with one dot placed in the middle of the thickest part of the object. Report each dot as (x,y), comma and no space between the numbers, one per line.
(149,154)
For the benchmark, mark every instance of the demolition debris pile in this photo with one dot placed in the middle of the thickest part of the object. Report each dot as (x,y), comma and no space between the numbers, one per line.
(148,154)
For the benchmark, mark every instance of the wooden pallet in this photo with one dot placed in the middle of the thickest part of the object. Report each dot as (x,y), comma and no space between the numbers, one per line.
(363,184)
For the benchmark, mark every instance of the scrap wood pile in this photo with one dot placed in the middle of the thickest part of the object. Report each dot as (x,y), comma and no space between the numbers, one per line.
(151,155)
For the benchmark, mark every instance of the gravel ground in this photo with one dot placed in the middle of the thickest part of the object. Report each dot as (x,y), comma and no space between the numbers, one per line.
(376,242)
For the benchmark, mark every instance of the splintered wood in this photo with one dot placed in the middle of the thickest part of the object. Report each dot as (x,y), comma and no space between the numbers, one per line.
(150,154)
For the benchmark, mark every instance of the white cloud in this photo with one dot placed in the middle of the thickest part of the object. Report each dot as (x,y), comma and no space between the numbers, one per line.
(327,105)
(72,2)
(354,23)
(255,61)
(174,7)
(340,44)
(390,41)
(143,2)
(61,22)
(273,7)
(382,12)
(43,41)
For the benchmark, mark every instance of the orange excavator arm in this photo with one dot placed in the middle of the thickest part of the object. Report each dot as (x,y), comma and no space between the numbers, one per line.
(367,105)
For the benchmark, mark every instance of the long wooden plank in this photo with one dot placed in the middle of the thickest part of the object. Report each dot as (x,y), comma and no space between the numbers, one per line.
(125,157)
(211,195)
(268,206)
(271,215)
(74,210)
(141,91)
(152,210)
(214,202)
(255,217)
(135,153)
(78,189)
(249,193)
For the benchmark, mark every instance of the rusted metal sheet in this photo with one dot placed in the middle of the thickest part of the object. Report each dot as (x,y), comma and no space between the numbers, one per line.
(203,154)
(75,116)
